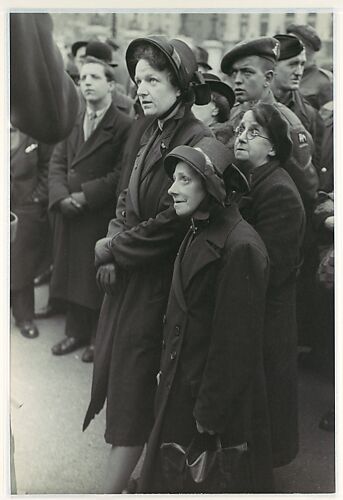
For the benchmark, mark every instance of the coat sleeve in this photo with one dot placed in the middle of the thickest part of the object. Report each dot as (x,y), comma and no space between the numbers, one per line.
(101,190)
(44,101)
(279,219)
(41,190)
(58,175)
(236,337)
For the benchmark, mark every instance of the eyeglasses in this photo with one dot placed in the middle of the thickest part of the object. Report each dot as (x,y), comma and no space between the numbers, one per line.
(251,133)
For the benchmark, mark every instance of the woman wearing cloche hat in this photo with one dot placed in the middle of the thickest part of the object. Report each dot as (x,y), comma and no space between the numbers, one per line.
(135,260)
(211,385)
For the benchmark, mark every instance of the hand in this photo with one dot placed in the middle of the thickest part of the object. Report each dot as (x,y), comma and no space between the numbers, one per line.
(79,198)
(69,207)
(329,222)
(202,429)
(106,278)
(102,252)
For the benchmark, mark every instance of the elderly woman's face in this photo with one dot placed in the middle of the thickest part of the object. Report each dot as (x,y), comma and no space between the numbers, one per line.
(252,142)
(155,92)
(187,190)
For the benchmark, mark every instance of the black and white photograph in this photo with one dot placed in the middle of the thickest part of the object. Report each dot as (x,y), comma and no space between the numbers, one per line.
(171,254)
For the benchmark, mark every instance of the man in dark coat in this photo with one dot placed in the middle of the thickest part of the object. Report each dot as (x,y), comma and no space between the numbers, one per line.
(83,176)
(317,83)
(29,200)
(250,66)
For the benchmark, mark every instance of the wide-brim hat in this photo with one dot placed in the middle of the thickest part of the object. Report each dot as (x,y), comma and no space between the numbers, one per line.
(77,45)
(209,158)
(100,50)
(222,88)
(265,46)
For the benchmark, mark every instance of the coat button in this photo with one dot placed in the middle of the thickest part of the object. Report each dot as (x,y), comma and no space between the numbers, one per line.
(324,169)
(177,330)
(173,355)
(123,213)
(164,320)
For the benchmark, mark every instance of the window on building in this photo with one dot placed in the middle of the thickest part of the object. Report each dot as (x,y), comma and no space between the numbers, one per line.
(312,19)
(264,24)
(244,25)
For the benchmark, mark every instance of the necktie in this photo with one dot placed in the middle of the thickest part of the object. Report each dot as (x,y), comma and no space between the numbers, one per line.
(90,124)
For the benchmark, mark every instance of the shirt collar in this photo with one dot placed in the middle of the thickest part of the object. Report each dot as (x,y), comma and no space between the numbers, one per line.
(99,112)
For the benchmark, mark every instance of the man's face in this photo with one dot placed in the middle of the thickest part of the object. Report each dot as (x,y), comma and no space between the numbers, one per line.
(93,83)
(289,72)
(79,57)
(248,78)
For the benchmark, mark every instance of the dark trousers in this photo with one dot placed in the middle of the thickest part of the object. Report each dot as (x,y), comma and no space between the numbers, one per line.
(81,322)
(23,303)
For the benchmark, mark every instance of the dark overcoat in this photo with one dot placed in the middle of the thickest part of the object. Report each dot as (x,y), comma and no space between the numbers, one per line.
(276,211)
(91,166)
(212,360)
(29,200)
(144,239)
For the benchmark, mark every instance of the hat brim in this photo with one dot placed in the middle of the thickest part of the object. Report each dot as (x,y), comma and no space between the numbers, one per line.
(222,89)
(77,45)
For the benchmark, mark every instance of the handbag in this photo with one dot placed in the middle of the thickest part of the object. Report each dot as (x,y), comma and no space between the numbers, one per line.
(206,467)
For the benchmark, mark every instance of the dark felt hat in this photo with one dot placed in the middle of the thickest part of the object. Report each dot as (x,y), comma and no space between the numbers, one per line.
(307,35)
(201,56)
(99,50)
(209,158)
(222,88)
(77,45)
(182,62)
(290,46)
(266,47)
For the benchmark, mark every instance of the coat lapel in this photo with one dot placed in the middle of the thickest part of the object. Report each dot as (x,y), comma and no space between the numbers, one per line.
(177,285)
(102,134)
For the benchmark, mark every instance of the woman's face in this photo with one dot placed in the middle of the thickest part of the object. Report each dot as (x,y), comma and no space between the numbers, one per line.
(252,142)
(187,190)
(154,90)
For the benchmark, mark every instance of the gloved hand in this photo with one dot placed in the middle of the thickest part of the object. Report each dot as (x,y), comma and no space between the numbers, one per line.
(70,207)
(106,278)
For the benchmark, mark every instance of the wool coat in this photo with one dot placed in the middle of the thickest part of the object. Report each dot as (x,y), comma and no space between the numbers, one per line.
(29,199)
(144,238)
(274,208)
(91,166)
(212,360)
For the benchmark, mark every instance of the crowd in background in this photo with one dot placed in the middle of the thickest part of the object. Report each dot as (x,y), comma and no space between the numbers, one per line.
(105,237)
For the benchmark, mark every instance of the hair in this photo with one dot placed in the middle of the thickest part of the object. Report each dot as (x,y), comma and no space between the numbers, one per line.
(109,73)
(156,59)
(222,105)
(270,118)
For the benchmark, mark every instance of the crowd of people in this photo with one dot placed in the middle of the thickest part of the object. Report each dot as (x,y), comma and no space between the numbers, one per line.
(185,223)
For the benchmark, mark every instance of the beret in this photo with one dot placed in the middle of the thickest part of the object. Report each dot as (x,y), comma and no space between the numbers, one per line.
(307,35)
(290,46)
(265,46)
(222,88)
(77,45)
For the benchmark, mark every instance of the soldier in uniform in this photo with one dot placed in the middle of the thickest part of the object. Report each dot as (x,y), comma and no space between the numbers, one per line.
(316,83)
(250,66)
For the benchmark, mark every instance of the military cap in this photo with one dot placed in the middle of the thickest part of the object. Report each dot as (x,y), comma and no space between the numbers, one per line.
(209,158)
(290,46)
(222,88)
(265,46)
(201,56)
(307,35)
(77,45)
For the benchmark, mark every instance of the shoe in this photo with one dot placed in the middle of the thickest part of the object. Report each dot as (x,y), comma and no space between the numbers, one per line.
(28,329)
(327,422)
(88,354)
(47,312)
(43,278)
(67,345)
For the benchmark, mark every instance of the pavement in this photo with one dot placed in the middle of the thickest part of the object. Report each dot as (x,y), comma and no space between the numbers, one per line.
(50,395)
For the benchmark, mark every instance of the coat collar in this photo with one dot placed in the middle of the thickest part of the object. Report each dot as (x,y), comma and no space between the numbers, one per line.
(206,247)
(259,174)
(103,133)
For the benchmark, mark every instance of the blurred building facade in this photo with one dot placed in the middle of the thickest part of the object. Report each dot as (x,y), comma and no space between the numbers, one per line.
(217,32)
